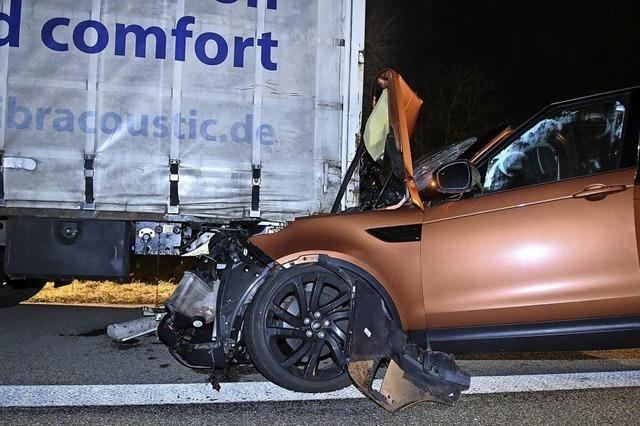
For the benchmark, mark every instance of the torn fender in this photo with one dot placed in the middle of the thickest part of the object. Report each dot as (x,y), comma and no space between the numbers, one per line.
(414,375)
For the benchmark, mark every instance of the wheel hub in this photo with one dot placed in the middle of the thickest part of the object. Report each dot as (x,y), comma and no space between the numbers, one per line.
(305,321)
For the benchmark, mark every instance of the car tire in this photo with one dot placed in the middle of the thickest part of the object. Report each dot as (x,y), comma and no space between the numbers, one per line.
(295,329)
(13,292)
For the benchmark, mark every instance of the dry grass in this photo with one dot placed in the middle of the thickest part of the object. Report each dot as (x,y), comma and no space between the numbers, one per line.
(108,293)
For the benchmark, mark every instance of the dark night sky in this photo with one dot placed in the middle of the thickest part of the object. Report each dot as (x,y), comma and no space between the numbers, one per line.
(531,52)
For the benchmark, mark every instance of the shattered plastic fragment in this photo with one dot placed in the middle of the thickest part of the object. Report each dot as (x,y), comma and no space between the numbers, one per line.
(374,338)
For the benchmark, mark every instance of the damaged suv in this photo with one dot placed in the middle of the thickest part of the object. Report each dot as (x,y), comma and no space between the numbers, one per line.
(510,241)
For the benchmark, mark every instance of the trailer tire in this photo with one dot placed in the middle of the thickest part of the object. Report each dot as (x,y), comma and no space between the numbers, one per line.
(299,344)
(13,292)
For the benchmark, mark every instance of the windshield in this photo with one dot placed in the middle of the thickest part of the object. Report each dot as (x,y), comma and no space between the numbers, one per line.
(424,167)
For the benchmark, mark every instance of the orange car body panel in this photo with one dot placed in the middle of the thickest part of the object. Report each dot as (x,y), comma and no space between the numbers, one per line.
(404,109)
(532,254)
(395,265)
(485,261)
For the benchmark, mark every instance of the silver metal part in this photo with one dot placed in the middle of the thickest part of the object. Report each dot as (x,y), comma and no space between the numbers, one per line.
(200,247)
(135,328)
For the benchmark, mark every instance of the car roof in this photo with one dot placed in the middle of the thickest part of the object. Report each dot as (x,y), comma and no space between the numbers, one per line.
(634,89)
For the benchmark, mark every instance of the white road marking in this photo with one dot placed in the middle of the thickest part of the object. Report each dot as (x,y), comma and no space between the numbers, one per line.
(178,394)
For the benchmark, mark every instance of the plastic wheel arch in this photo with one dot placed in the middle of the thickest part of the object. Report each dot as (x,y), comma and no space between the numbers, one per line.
(333,264)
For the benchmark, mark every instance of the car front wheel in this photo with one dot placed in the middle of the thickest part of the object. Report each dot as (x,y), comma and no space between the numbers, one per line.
(296,329)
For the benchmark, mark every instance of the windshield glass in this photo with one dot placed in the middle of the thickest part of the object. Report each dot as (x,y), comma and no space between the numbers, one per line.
(424,167)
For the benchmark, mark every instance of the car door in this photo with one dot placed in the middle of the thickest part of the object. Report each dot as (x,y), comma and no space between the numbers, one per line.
(552,236)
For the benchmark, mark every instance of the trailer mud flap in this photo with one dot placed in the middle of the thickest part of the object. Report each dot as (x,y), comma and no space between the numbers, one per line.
(413,375)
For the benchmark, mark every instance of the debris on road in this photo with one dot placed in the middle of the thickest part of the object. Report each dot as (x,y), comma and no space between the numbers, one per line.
(136,327)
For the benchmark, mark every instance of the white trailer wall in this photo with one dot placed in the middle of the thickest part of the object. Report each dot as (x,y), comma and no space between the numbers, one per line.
(298,123)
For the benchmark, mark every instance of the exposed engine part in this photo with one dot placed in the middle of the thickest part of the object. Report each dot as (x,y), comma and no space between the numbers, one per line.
(205,314)
(378,189)
(192,347)
(200,247)
(199,244)
(382,183)
(195,299)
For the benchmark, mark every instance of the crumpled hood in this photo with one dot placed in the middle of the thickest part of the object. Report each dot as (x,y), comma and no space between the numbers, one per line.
(404,110)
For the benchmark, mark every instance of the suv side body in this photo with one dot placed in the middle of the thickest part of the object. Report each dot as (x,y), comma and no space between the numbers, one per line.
(516,265)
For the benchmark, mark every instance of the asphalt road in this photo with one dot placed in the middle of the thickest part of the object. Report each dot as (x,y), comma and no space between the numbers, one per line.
(602,407)
(51,345)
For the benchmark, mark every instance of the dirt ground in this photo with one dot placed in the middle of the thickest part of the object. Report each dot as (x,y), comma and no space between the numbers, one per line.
(108,293)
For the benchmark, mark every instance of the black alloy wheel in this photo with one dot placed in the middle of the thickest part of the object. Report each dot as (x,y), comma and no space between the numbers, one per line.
(296,329)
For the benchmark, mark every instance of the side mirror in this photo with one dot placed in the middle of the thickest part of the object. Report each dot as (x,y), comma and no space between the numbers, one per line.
(459,177)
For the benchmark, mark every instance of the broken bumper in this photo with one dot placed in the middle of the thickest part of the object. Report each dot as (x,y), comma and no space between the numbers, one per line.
(205,316)
(202,328)
(190,348)
(413,374)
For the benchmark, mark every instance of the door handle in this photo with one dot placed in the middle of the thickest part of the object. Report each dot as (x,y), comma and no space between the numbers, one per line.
(599,192)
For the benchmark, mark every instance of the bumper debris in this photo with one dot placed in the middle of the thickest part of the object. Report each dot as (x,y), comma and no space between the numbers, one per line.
(413,374)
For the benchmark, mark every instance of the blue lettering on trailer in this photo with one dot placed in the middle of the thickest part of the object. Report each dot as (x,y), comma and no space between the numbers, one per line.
(271,4)
(210,48)
(12,20)
(195,128)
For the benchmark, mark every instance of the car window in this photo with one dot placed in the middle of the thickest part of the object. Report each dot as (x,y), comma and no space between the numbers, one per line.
(569,141)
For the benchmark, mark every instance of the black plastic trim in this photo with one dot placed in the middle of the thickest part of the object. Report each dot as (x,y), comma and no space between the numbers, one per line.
(347,178)
(370,279)
(256,251)
(398,234)
(174,196)
(89,197)
(255,189)
(575,335)
(632,148)
(1,177)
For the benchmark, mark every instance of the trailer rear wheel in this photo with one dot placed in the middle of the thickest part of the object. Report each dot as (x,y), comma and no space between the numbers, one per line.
(12,292)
